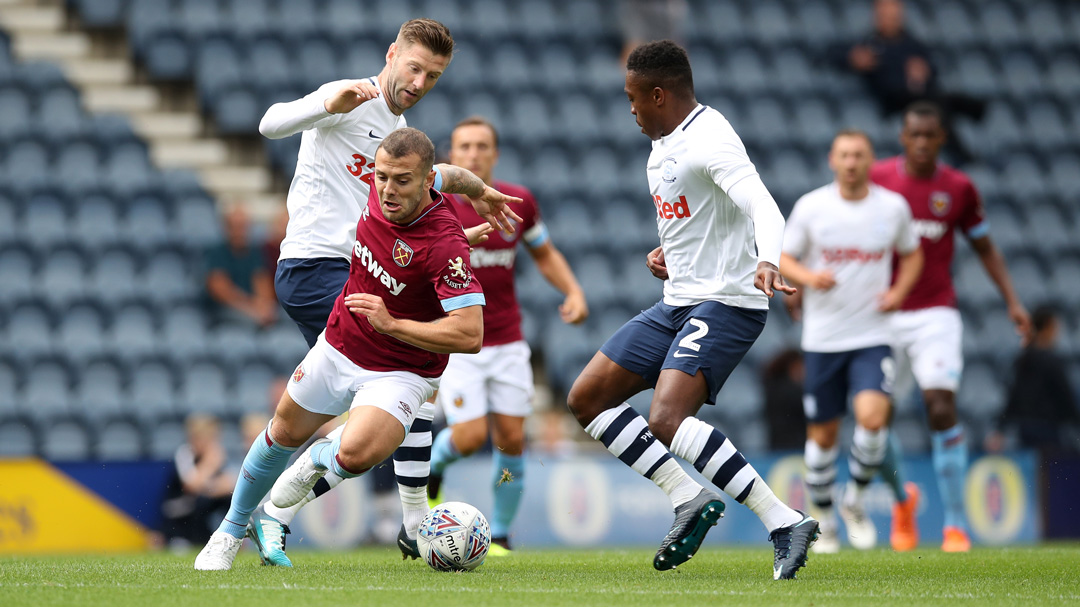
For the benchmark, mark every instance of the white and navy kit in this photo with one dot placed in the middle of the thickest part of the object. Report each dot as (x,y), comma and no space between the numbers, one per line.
(326,197)
(845,337)
(716,222)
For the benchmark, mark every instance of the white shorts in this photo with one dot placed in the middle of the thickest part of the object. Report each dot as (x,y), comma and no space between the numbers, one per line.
(497,379)
(928,342)
(327,382)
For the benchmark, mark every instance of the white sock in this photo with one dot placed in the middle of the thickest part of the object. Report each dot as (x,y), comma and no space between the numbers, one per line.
(717,459)
(626,435)
(820,475)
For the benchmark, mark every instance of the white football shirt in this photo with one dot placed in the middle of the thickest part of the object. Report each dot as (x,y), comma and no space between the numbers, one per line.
(855,239)
(333,169)
(708,238)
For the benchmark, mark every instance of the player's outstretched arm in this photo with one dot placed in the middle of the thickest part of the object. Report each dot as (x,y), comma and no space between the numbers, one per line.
(800,275)
(553,265)
(489,203)
(994,262)
(461,330)
(288,118)
(907,274)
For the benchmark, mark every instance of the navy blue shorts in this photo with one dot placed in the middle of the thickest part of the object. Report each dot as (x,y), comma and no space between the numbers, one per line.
(831,377)
(307,289)
(710,337)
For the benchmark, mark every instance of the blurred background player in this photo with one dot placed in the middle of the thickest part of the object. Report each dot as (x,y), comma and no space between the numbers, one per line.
(411,300)
(199,486)
(838,248)
(1041,405)
(713,212)
(927,329)
(490,392)
(343,123)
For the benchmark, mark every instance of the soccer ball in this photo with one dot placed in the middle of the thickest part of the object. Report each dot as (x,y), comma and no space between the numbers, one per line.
(454,536)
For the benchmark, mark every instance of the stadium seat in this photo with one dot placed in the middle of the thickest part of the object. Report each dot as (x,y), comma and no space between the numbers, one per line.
(165,438)
(198,223)
(27,165)
(1000,25)
(62,278)
(100,13)
(119,440)
(132,335)
(61,118)
(151,394)
(96,222)
(46,392)
(16,274)
(146,224)
(100,391)
(66,440)
(1044,25)
(80,333)
(204,389)
(167,56)
(17,438)
(184,329)
(82,168)
(254,383)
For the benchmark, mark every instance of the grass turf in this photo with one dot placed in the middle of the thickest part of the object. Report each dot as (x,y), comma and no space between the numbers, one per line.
(1045,575)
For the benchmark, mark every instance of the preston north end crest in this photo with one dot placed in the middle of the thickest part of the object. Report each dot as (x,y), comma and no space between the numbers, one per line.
(403,253)
(667,170)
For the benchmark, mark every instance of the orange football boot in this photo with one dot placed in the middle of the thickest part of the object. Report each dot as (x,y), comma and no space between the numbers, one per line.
(956,540)
(905,529)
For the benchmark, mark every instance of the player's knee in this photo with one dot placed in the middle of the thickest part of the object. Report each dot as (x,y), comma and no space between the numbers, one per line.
(285,435)
(663,426)
(511,443)
(468,440)
(940,410)
(359,458)
(824,434)
(581,405)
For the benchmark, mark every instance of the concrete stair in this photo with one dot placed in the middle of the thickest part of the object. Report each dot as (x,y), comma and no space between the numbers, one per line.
(40,30)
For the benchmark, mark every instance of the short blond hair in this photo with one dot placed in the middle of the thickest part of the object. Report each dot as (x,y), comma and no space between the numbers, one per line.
(428,33)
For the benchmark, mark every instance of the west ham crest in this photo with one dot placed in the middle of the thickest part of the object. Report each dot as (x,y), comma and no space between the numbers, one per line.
(402,253)
(940,203)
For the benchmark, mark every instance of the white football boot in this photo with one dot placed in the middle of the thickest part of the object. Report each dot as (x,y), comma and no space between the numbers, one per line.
(296,482)
(861,531)
(219,552)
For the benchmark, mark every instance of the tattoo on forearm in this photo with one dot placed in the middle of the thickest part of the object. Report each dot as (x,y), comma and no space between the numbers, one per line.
(456,180)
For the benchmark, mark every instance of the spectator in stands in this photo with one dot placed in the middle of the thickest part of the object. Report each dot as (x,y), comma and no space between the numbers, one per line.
(200,485)
(1041,402)
(899,70)
(783,381)
(237,279)
(647,20)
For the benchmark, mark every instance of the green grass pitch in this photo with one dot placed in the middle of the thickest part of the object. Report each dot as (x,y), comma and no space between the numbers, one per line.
(1045,575)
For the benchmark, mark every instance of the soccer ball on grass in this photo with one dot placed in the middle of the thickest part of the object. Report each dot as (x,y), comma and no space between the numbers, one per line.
(454,536)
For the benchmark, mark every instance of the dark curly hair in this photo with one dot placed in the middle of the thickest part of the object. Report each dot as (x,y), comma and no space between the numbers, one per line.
(663,63)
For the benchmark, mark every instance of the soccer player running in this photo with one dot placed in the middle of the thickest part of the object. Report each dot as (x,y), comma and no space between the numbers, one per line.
(927,329)
(411,299)
(720,241)
(343,123)
(838,248)
(490,392)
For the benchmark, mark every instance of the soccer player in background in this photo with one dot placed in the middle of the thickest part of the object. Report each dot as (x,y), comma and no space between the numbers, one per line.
(490,392)
(343,123)
(411,299)
(720,241)
(838,249)
(927,330)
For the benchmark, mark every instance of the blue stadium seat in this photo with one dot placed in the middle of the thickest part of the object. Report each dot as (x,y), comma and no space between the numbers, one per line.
(132,335)
(111,130)
(1044,25)
(168,56)
(981,394)
(46,391)
(60,115)
(218,67)
(233,341)
(151,393)
(119,440)
(748,72)
(1023,76)
(29,332)
(301,17)
(113,279)
(977,74)
(9,385)
(249,18)
(363,59)
(146,224)
(254,383)
(238,111)
(284,344)
(960,31)
(167,280)
(200,18)
(66,440)
(316,64)
(165,438)
(741,397)
(45,222)
(1063,75)
(101,13)
(1050,231)
(269,59)
(128,169)
(1000,25)
(1065,176)
(28,163)
(146,18)
(17,438)
(16,274)
(62,278)
(100,391)
(198,222)
(184,329)
(81,334)
(770,21)
(97,222)
(594,272)
(1024,179)
(204,389)
(82,168)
